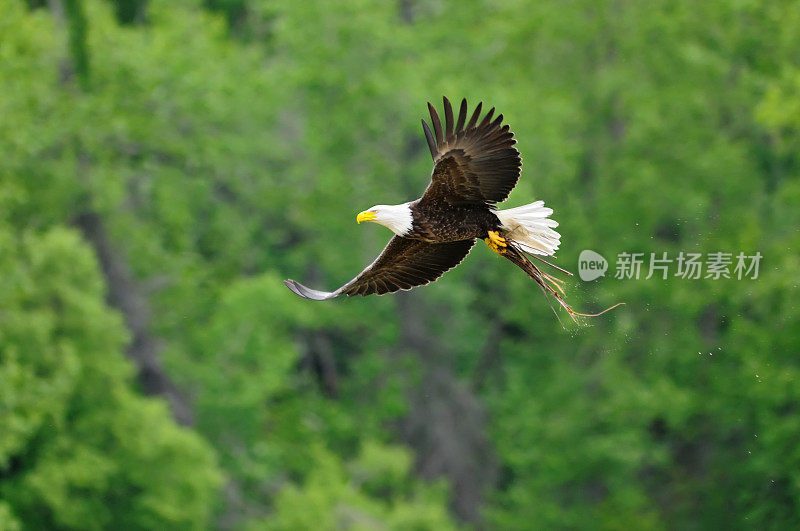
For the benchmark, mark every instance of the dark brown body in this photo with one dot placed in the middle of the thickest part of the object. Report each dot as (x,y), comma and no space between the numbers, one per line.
(438,222)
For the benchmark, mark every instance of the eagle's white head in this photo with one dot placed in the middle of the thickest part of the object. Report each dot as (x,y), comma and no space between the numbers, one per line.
(396,218)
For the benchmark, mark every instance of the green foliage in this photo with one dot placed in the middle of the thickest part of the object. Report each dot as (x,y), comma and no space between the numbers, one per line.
(227,145)
(78,447)
(332,498)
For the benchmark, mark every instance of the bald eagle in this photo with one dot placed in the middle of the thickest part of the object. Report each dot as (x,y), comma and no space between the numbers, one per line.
(475,166)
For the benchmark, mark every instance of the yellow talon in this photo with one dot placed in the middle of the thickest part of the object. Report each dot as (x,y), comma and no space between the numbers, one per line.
(497,239)
(495,242)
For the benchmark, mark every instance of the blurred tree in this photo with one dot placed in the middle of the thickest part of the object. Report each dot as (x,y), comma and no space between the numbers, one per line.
(79,448)
(331,499)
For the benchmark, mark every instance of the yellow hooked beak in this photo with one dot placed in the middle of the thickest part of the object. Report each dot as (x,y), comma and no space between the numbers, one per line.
(367,215)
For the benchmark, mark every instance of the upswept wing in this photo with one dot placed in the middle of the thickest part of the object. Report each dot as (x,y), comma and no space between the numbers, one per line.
(403,264)
(473,162)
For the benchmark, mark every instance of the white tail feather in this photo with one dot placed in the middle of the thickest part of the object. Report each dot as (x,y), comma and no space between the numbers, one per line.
(531,228)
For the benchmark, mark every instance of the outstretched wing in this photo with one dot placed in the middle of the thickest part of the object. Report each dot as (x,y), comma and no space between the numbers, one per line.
(473,162)
(403,264)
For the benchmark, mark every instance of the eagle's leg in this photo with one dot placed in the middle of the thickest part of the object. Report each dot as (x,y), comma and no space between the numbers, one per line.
(496,242)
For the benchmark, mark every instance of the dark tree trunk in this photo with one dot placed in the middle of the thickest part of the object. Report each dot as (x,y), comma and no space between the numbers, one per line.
(446,424)
(126,295)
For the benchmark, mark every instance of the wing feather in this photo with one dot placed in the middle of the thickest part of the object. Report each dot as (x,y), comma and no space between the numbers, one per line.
(472,163)
(462,115)
(475,115)
(448,117)
(404,264)
(437,124)
(429,138)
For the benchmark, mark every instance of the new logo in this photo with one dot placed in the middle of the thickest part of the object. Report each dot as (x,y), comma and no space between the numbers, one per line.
(591,265)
